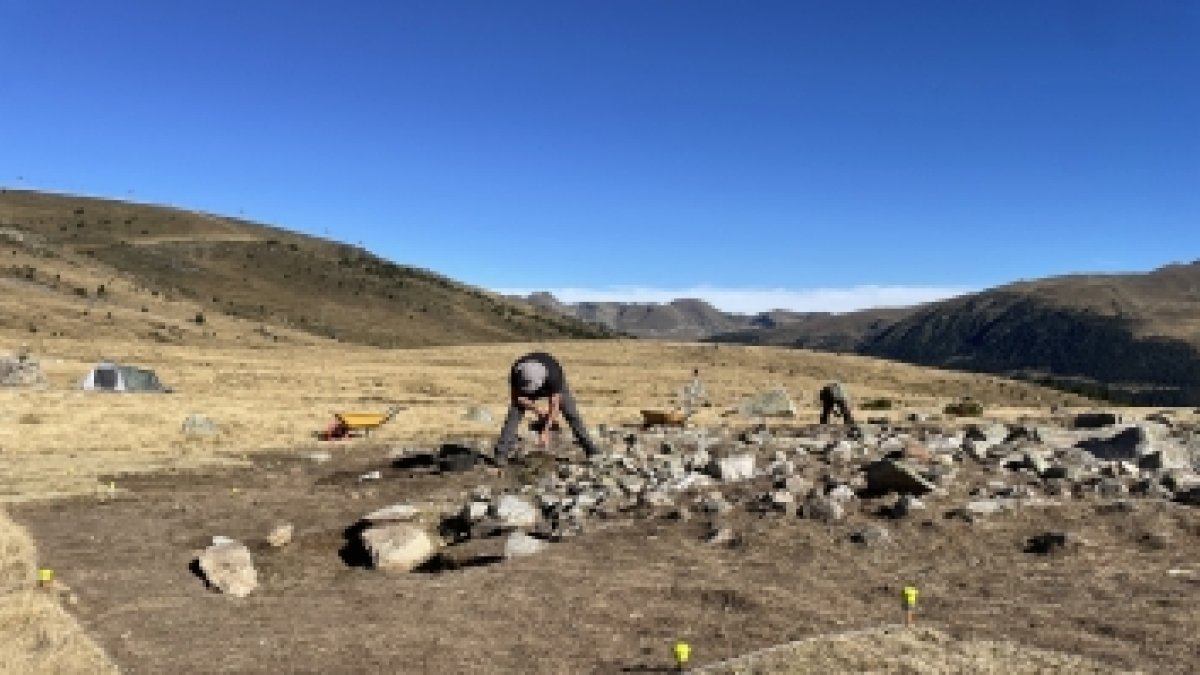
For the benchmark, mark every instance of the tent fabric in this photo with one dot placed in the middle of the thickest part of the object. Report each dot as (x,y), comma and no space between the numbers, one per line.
(108,376)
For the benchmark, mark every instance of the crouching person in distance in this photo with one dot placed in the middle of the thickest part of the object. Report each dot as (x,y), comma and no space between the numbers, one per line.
(533,377)
(834,398)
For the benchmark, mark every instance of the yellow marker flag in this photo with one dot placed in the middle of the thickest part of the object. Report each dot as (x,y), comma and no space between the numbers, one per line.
(910,596)
(683,651)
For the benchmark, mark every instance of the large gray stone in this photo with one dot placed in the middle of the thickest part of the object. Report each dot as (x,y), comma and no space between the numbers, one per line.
(888,475)
(228,567)
(771,403)
(199,426)
(398,547)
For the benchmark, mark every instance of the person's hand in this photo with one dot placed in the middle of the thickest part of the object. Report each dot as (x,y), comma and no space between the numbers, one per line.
(544,437)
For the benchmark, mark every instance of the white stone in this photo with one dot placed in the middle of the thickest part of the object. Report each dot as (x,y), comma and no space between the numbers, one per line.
(735,468)
(513,511)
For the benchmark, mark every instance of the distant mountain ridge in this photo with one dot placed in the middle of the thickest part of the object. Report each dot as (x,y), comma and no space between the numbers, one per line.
(1133,338)
(682,319)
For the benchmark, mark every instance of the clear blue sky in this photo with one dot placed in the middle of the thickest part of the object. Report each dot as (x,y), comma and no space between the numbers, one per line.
(718,147)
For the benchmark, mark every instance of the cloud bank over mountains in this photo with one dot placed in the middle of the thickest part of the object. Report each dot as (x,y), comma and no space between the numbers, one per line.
(754,300)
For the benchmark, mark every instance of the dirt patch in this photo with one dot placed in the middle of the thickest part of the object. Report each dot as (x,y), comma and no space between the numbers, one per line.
(613,600)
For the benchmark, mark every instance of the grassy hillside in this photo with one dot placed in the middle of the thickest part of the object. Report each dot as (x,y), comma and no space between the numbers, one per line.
(73,266)
(1133,337)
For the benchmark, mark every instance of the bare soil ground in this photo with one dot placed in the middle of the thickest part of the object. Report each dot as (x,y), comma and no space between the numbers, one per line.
(613,600)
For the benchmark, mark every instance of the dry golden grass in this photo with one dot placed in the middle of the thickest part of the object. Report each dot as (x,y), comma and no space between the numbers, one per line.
(59,441)
(919,651)
(39,636)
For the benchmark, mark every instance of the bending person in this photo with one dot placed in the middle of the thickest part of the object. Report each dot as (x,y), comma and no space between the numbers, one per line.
(533,377)
(833,397)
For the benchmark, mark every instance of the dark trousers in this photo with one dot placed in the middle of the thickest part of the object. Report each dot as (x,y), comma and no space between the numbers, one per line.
(829,405)
(569,412)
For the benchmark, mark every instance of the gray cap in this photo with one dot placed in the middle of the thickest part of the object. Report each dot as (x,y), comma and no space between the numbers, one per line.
(531,375)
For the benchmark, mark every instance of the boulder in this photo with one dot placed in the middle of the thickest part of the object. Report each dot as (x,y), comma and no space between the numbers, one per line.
(888,475)
(228,567)
(520,545)
(734,468)
(770,403)
(398,547)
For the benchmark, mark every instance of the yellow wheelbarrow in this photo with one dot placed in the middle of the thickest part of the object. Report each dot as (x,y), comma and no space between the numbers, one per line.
(354,424)
(665,418)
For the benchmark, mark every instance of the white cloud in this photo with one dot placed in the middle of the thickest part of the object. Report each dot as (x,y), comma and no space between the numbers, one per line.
(753,300)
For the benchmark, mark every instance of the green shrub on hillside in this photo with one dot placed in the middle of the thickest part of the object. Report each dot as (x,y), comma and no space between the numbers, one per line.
(877,404)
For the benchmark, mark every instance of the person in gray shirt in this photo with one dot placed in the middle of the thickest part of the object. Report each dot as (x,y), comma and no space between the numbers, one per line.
(534,377)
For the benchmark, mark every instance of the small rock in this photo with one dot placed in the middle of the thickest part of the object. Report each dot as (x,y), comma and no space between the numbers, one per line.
(281,535)
(1048,543)
(824,509)
(396,513)
(479,414)
(319,457)
(228,567)
(872,535)
(734,468)
(720,537)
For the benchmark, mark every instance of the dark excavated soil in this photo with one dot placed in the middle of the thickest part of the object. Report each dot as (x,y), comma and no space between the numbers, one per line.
(613,600)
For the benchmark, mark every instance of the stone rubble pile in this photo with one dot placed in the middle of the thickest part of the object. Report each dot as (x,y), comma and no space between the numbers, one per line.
(816,473)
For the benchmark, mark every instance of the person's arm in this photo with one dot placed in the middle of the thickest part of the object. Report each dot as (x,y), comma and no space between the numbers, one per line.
(551,415)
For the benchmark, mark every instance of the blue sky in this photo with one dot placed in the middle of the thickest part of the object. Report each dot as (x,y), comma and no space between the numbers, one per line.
(814,155)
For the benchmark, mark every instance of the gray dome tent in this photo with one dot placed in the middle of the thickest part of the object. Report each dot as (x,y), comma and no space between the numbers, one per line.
(108,376)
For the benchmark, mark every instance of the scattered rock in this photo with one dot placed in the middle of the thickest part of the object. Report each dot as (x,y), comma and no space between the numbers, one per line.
(281,535)
(228,567)
(512,511)
(735,468)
